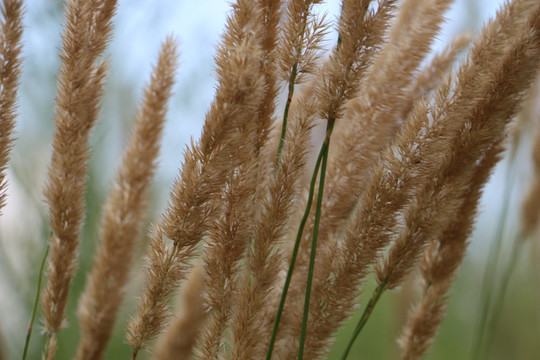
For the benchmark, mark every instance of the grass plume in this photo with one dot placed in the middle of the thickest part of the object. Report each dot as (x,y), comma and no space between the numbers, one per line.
(123,213)
(11,28)
(80,88)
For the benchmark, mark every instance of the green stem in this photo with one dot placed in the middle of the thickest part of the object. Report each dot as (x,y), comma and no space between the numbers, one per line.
(292,81)
(365,316)
(36,302)
(499,302)
(329,129)
(295,252)
(491,267)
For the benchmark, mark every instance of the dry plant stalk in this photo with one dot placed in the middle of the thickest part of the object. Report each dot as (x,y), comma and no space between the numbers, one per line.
(440,264)
(231,234)
(375,115)
(444,256)
(431,75)
(415,147)
(454,122)
(343,176)
(264,257)
(80,88)
(124,213)
(191,211)
(11,29)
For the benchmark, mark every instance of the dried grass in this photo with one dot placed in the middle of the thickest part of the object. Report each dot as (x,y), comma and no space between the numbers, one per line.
(414,146)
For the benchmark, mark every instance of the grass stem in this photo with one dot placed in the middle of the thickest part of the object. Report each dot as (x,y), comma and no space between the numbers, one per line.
(491,267)
(292,83)
(36,302)
(499,298)
(295,252)
(292,80)
(326,146)
(376,295)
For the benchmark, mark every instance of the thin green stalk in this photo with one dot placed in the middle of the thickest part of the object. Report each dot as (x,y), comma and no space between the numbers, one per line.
(491,266)
(499,302)
(365,316)
(295,252)
(36,302)
(329,129)
(292,81)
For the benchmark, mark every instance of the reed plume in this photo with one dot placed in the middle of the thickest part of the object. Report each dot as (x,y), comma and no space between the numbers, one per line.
(440,263)
(431,75)
(338,82)
(124,212)
(80,88)
(443,259)
(453,117)
(392,54)
(190,213)
(178,341)
(501,76)
(11,29)
(265,256)
(229,238)
(232,233)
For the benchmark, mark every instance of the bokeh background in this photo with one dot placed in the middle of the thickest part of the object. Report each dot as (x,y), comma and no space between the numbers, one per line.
(140,27)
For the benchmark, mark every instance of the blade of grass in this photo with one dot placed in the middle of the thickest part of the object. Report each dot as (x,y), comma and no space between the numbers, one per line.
(292,83)
(294,73)
(36,302)
(326,145)
(375,296)
(295,252)
(499,302)
(491,265)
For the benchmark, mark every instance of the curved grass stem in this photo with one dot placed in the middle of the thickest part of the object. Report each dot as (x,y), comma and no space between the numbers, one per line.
(326,147)
(292,81)
(292,84)
(501,295)
(376,295)
(295,252)
(363,320)
(36,302)
(488,284)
